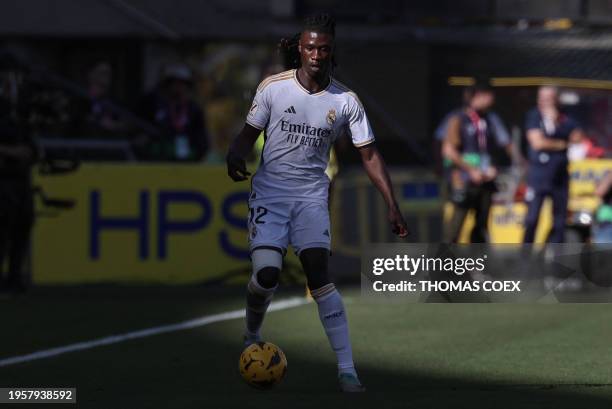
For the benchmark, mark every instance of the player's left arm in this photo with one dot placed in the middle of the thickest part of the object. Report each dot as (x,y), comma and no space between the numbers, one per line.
(377,171)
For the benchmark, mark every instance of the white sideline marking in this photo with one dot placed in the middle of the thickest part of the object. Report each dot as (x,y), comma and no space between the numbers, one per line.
(179,326)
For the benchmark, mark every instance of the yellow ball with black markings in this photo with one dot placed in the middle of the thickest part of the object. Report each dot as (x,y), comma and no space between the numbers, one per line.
(262,365)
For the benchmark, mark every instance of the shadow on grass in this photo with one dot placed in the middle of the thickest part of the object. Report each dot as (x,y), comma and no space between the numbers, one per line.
(198,368)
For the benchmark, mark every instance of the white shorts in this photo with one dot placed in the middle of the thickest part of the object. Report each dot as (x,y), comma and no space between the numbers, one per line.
(299,224)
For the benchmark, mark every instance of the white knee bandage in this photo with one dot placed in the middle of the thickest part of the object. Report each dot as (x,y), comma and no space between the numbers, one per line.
(266,258)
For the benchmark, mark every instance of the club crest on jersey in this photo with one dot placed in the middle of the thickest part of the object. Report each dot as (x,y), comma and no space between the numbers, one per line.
(331,116)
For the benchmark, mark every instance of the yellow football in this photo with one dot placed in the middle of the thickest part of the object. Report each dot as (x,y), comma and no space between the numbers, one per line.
(262,365)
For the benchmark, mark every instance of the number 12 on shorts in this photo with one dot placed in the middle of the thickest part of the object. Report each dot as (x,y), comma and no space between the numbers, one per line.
(256,214)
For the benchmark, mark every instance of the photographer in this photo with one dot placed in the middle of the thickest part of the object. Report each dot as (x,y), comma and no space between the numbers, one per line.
(471,137)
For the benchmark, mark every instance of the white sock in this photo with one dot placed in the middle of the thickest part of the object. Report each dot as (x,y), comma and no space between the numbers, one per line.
(333,318)
(258,300)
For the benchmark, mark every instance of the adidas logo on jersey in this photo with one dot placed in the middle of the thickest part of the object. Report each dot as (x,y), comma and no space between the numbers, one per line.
(326,233)
(290,110)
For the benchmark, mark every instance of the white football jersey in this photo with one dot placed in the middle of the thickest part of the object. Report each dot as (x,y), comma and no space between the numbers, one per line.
(299,130)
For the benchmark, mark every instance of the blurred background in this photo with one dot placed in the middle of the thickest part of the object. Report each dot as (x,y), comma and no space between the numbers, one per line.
(117,214)
(128,108)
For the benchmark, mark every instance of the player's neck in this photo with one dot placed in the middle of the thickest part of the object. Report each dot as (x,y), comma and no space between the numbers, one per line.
(313,84)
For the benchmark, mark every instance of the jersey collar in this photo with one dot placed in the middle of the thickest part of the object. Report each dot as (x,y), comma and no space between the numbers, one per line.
(305,90)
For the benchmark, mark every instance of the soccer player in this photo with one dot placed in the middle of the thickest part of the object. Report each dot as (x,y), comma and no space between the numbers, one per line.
(548,132)
(302,111)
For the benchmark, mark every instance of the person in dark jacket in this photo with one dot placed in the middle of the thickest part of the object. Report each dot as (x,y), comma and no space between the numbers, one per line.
(548,133)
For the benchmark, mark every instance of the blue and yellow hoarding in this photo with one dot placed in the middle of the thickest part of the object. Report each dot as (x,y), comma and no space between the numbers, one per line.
(141,223)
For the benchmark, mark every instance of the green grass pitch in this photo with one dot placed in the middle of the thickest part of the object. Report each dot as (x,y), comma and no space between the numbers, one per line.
(408,355)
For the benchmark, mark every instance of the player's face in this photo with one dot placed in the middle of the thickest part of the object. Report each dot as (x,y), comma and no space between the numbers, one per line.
(316,52)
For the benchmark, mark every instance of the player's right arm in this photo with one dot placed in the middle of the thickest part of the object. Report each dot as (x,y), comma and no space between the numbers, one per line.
(256,121)
(239,149)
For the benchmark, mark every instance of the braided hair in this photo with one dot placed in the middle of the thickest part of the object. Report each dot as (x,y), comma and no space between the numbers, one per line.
(288,48)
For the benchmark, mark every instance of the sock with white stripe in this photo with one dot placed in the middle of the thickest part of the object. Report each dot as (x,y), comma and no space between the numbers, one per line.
(333,318)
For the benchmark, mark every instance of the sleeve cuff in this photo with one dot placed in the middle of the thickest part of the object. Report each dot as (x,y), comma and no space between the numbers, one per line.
(254,125)
(365,143)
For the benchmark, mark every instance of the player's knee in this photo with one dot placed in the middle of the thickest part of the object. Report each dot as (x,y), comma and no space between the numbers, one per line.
(314,261)
(267,277)
(317,280)
(266,267)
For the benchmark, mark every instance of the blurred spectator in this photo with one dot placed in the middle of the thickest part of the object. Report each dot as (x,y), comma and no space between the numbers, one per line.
(582,147)
(499,129)
(181,122)
(17,155)
(96,117)
(548,132)
(505,155)
(471,136)
(603,219)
